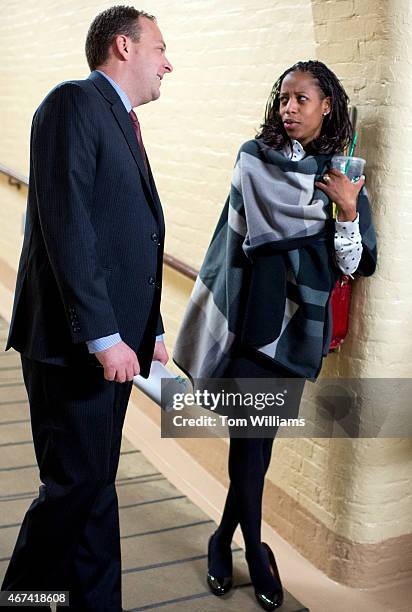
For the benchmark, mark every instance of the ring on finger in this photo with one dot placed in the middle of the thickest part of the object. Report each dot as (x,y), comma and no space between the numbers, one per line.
(326,178)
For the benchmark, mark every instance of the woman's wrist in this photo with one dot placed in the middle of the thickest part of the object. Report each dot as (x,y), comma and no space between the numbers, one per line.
(347,212)
(343,217)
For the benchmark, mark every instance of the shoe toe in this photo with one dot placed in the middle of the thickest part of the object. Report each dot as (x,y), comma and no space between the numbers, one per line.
(219,585)
(271,602)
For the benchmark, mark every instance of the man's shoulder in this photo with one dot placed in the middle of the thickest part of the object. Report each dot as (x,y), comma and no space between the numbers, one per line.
(75,91)
(69,98)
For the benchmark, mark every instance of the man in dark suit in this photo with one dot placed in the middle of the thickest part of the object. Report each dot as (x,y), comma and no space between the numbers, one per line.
(87,306)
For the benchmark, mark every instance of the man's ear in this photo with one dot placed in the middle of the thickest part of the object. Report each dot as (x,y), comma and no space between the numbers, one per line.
(120,47)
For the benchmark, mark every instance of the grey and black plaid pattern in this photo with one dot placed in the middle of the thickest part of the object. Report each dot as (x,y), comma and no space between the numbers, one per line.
(269,267)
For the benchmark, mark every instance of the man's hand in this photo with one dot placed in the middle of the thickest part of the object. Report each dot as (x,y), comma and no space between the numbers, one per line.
(160,353)
(120,362)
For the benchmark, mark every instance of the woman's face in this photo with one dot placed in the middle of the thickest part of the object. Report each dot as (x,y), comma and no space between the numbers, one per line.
(302,106)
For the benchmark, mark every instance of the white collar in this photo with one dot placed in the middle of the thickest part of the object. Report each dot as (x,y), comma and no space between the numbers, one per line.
(294,150)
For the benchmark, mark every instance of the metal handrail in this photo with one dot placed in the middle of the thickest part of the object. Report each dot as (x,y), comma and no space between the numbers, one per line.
(16,179)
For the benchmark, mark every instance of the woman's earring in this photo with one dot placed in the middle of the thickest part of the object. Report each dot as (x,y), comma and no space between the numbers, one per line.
(327,113)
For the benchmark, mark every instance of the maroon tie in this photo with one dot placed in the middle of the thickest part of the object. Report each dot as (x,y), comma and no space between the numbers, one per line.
(136,127)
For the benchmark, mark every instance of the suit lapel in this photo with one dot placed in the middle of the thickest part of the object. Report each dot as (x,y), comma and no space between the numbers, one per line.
(125,124)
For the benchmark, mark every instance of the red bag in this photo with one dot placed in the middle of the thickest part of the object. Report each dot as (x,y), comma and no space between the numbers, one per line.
(340,302)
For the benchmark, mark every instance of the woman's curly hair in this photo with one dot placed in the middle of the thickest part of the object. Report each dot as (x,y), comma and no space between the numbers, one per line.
(336,132)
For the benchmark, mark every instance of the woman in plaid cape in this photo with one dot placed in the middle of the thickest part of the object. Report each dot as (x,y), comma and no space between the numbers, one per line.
(260,305)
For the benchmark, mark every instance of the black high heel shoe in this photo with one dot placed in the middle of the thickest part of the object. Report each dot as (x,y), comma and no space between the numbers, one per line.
(274,599)
(219,585)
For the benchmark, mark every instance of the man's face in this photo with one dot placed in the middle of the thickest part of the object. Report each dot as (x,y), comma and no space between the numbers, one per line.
(148,63)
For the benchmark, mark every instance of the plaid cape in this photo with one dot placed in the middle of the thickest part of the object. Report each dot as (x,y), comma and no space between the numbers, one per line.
(268,273)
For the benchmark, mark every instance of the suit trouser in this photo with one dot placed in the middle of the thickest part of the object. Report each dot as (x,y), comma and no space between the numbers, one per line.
(69,538)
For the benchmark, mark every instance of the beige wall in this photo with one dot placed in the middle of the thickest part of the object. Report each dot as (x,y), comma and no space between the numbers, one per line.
(351,497)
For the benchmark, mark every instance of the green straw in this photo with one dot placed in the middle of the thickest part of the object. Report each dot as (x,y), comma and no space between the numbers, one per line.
(351,151)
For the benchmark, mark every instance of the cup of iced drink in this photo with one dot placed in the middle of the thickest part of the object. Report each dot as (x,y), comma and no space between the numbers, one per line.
(351,166)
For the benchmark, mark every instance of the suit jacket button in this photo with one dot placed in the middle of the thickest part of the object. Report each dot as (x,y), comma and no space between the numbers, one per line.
(151,280)
(155,237)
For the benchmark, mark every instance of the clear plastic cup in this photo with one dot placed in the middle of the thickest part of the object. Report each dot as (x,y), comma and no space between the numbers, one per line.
(351,166)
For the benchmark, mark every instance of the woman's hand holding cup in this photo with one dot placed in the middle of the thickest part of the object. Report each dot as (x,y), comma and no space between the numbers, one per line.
(341,189)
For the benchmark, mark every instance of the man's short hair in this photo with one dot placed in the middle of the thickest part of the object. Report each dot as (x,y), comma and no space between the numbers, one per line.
(106,26)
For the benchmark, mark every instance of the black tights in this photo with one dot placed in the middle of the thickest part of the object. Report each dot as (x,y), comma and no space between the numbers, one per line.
(249,459)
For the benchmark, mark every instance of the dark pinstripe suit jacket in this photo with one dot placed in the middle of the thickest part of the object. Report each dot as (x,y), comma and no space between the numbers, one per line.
(91,263)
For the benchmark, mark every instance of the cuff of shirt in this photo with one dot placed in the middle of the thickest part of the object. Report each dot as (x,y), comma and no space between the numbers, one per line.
(160,338)
(101,344)
(348,226)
